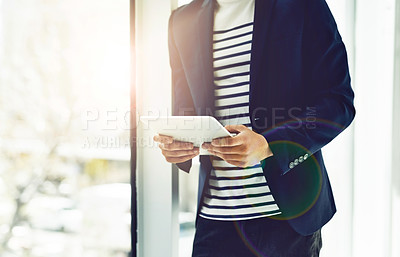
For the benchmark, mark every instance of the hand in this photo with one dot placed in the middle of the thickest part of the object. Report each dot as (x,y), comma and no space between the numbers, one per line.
(245,149)
(176,151)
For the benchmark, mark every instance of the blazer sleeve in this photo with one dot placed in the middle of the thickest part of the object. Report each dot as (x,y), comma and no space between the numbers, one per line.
(325,68)
(182,102)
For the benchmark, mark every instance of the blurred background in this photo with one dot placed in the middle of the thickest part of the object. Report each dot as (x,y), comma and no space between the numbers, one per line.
(64,179)
(66,81)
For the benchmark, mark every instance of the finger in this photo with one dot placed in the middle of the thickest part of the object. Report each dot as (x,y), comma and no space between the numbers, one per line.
(236,128)
(227,141)
(180,153)
(163,139)
(179,159)
(227,157)
(239,150)
(177,145)
(206,145)
(240,164)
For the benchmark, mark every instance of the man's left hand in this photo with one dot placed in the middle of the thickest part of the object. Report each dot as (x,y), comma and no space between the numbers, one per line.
(245,149)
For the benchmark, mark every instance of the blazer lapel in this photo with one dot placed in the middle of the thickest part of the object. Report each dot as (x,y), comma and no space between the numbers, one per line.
(262,17)
(205,92)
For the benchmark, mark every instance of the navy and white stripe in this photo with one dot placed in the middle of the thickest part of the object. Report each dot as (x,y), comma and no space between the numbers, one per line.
(235,193)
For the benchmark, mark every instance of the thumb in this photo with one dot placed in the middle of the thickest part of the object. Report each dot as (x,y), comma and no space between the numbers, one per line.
(236,128)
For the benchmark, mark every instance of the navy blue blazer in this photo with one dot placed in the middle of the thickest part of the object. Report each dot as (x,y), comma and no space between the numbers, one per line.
(300,95)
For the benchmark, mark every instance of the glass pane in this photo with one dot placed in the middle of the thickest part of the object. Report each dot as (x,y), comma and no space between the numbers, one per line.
(64,109)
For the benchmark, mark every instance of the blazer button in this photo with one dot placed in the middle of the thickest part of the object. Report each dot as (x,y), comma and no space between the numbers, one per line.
(291,165)
(306,156)
(301,159)
(296,162)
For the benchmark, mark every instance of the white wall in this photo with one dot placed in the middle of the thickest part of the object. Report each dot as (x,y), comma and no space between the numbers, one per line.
(396,142)
(338,155)
(373,128)
(158,226)
(366,223)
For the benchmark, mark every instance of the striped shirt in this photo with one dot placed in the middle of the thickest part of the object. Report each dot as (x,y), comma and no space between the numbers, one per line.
(234,193)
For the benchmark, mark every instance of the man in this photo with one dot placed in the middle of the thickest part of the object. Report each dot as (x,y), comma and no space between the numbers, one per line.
(275,72)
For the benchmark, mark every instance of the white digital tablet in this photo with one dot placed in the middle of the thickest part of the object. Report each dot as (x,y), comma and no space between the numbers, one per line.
(194,129)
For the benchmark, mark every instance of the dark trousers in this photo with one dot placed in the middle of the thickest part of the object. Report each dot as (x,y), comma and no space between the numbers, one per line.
(263,237)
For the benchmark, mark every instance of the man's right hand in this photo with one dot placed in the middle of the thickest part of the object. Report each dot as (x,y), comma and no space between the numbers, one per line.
(176,151)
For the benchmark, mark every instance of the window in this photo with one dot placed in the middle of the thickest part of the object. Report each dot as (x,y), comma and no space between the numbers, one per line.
(64,155)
